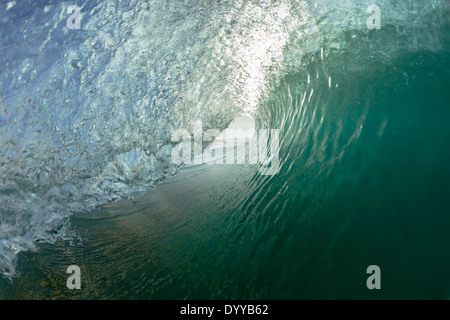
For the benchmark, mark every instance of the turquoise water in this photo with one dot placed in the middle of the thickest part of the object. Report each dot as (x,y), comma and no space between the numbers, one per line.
(362,114)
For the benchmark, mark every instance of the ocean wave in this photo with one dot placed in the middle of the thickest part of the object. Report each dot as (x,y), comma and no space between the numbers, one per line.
(86,115)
